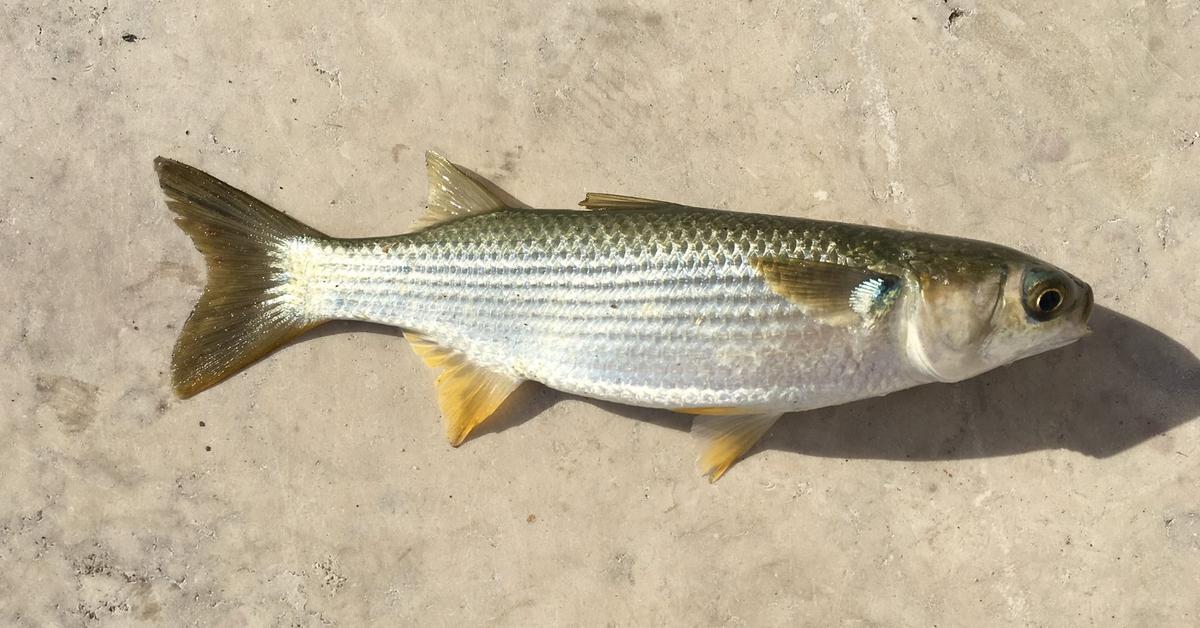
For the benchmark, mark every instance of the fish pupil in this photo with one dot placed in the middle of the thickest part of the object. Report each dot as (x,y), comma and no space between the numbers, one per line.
(1049,300)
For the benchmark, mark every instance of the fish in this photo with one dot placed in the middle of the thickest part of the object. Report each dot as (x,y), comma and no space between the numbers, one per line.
(736,318)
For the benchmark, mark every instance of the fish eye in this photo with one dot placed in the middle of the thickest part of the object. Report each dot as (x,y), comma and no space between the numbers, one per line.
(1047,294)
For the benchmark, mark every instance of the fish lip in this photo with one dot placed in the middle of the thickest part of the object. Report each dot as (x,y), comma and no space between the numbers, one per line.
(1088,302)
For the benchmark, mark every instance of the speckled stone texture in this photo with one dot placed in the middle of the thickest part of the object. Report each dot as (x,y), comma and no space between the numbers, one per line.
(317,487)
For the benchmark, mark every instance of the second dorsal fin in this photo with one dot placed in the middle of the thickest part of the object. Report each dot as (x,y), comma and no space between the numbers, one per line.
(453,194)
(600,200)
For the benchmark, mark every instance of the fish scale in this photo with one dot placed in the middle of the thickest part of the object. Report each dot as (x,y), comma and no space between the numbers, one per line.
(734,317)
(548,296)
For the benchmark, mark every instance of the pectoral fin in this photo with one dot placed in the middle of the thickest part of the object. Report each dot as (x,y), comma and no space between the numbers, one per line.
(467,393)
(723,439)
(832,293)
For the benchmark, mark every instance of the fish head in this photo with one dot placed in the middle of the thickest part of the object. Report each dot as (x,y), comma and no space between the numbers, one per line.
(973,317)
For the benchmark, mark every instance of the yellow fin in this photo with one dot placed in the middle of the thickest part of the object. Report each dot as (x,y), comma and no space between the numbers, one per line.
(453,194)
(467,393)
(832,293)
(713,410)
(725,438)
(599,200)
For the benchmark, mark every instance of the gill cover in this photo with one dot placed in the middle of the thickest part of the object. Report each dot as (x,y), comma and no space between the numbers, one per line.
(950,321)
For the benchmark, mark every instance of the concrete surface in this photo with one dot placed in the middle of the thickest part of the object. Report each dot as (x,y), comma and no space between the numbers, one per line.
(317,489)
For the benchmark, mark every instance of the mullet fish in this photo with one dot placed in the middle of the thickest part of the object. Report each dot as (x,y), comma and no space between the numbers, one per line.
(736,318)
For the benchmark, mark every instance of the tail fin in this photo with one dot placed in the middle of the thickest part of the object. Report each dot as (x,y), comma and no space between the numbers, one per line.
(246,310)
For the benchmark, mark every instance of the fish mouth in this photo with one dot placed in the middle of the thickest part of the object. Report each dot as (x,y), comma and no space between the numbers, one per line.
(1088,302)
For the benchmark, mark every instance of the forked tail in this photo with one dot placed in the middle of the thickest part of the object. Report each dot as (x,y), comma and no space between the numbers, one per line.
(248,307)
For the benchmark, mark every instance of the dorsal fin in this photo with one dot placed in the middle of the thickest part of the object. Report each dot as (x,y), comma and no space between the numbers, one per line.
(453,194)
(467,393)
(600,200)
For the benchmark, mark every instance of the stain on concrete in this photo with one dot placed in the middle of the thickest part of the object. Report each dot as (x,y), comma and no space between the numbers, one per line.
(71,401)
(397,149)
(625,16)
(327,573)
(1183,530)
(619,568)
(1051,148)
(185,274)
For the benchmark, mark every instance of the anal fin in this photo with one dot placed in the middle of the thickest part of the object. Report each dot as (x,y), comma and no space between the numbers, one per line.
(723,439)
(709,410)
(467,393)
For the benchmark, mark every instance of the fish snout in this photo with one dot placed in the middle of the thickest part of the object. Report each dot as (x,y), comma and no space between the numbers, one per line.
(1088,301)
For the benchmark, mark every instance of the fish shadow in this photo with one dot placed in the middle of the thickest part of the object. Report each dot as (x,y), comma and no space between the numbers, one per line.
(1122,385)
